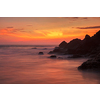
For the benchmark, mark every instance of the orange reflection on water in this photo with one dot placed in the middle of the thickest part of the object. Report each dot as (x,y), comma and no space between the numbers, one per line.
(22,68)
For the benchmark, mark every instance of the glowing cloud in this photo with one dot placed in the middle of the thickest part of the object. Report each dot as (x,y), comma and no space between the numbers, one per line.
(47,28)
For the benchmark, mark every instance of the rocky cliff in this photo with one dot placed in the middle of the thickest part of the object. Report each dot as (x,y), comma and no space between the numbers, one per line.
(87,46)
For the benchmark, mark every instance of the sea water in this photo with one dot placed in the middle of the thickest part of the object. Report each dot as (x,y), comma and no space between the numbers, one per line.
(21,64)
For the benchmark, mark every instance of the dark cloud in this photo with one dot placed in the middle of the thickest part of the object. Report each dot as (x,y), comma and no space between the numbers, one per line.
(9,27)
(16,30)
(19,29)
(12,30)
(92,27)
(74,18)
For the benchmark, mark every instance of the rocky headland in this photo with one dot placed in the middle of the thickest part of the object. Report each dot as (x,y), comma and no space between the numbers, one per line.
(88,47)
(91,64)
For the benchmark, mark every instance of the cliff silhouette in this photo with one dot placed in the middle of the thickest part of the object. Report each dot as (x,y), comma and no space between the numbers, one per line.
(88,47)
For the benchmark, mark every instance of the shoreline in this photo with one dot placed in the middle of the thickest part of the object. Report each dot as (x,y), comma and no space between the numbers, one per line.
(88,47)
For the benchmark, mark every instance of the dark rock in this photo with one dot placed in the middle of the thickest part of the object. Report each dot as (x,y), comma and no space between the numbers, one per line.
(34,48)
(91,64)
(91,56)
(88,46)
(70,47)
(97,34)
(63,44)
(57,49)
(40,53)
(74,44)
(53,56)
(45,49)
(71,51)
(60,57)
(96,38)
(87,37)
(51,52)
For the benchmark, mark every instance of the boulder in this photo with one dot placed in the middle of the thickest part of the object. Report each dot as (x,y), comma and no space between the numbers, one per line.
(40,53)
(34,48)
(45,49)
(51,52)
(91,64)
(60,58)
(53,56)
(56,49)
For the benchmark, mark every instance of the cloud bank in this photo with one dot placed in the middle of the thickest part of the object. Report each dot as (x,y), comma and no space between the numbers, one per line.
(91,27)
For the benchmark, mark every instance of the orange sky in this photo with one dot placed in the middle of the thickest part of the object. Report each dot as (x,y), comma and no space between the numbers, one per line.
(46,30)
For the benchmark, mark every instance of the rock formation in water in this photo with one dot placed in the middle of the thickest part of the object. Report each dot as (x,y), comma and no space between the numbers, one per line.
(91,64)
(89,46)
(53,56)
(34,48)
(40,53)
(63,44)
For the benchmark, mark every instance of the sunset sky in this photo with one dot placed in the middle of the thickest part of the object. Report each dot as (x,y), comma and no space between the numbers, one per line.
(46,30)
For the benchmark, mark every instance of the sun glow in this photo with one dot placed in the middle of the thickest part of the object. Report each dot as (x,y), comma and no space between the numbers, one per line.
(55,34)
(43,29)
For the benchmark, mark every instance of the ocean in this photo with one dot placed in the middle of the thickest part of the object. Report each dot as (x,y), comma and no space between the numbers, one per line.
(21,64)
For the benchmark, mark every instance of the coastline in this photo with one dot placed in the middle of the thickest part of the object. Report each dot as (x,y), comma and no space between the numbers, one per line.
(88,47)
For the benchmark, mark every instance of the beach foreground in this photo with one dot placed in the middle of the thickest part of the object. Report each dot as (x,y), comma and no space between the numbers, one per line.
(23,65)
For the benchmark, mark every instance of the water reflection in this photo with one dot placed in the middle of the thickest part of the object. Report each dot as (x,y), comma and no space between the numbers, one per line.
(91,76)
(25,66)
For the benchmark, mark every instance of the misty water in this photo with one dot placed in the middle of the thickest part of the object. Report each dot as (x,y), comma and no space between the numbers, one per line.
(23,65)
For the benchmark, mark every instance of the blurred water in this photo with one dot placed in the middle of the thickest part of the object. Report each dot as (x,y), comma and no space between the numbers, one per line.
(23,65)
